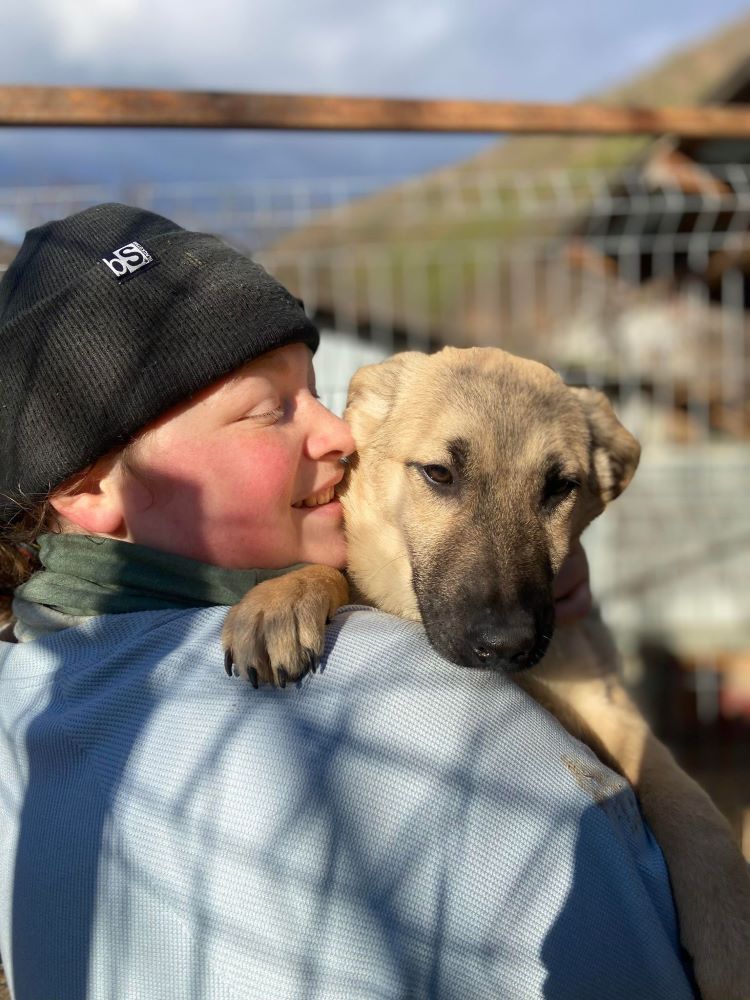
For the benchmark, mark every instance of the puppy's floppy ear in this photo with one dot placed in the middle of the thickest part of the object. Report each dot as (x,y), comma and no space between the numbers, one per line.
(614,450)
(373,391)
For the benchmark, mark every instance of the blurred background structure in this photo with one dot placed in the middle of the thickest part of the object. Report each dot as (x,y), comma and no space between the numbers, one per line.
(622,262)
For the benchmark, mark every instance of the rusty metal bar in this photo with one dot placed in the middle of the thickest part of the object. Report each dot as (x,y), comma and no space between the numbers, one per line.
(118,108)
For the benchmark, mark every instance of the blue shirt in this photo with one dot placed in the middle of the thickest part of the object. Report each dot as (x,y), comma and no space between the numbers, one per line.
(393,827)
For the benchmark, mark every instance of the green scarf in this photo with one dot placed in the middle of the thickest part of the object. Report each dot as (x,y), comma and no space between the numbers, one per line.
(90,575)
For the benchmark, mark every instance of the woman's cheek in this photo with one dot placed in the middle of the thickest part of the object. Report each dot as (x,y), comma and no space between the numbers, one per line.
(260,477)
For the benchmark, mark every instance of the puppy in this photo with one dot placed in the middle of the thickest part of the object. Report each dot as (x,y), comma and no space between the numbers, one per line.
(476,471)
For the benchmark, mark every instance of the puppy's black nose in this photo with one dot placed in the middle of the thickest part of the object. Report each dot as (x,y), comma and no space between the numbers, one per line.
(509,642)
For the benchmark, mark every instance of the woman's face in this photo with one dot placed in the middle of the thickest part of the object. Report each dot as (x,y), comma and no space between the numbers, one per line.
(242,475)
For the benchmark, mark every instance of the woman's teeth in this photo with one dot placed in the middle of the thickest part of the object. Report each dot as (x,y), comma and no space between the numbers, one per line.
(317,499)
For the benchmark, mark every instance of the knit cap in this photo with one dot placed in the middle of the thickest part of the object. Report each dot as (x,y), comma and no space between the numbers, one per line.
(107,319)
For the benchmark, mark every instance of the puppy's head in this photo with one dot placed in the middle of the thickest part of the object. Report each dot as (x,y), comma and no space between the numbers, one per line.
(476,470)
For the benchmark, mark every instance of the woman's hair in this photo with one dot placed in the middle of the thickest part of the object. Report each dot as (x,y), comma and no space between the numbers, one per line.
(18,550)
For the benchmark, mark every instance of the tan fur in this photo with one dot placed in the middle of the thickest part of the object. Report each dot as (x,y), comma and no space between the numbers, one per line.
(420,551)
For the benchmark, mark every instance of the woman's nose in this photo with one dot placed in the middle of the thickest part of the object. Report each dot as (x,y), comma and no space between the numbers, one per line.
(328,434)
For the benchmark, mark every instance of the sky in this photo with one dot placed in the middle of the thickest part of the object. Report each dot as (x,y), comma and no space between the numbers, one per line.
(540,50)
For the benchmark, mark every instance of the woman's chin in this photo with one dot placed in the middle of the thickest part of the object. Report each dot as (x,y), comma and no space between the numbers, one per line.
(326,553)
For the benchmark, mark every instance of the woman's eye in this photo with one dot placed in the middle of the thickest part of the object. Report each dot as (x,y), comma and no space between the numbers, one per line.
(266,413)
(438,474)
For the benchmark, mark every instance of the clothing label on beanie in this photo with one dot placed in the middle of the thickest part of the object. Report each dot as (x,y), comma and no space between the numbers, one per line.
(128,260)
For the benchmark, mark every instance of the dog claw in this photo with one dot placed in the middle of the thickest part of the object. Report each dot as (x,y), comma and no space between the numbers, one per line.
(228,662)
(252,676)
(283,677)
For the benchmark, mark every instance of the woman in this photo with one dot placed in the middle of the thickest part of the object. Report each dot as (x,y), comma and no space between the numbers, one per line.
(397,827)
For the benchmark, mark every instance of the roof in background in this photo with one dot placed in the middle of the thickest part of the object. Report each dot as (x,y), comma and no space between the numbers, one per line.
(716,70)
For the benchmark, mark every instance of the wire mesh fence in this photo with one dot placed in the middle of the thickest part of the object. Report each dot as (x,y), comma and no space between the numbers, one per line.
(634,282)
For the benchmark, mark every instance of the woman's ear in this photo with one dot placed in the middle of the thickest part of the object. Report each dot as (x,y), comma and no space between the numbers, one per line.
(95,504)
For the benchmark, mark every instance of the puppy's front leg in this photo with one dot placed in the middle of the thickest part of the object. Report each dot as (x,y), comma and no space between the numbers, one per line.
(277,631)
(709,876)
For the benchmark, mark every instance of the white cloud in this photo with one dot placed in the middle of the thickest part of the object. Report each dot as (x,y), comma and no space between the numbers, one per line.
(553,49)
(86,29)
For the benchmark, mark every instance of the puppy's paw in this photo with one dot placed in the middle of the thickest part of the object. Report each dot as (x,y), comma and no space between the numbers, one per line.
(277,631)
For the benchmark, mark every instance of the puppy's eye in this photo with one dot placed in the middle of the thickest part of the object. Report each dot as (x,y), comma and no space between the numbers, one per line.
(557,488)
(438,474)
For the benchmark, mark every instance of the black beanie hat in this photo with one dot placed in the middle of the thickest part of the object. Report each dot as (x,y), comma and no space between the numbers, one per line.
(107,319)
